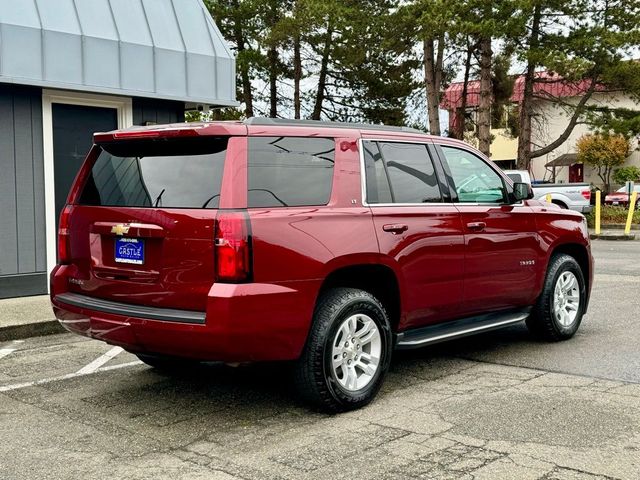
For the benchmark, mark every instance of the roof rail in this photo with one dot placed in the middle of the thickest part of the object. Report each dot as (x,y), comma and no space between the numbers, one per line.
(319,123)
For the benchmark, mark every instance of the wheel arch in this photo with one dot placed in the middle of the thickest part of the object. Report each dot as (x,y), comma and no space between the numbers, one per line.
(581,254)
(378,279)
(557,199)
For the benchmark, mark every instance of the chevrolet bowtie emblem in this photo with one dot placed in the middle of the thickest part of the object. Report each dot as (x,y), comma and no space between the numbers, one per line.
(120,229)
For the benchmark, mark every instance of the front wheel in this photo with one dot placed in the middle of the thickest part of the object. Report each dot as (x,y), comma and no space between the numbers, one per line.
(347,353)
(560,307)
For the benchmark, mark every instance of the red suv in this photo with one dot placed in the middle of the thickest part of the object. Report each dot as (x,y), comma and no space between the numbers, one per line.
(326,244)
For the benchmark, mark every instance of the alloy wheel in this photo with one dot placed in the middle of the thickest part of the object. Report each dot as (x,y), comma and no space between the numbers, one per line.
(566,299)
(356,350)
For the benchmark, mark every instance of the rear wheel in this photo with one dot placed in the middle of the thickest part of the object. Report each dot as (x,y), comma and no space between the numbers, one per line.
(347,353)
(560,307)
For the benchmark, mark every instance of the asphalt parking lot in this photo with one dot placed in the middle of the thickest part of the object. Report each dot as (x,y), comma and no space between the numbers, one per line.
(500,405)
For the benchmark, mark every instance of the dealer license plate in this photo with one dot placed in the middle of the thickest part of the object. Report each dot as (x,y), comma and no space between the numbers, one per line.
(129,250)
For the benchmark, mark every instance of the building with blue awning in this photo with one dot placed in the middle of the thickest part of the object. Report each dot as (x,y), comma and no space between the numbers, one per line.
(69,68)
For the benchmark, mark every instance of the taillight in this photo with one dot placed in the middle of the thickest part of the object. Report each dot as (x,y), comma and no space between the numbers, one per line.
(233,247)
(586,194)
(64,248)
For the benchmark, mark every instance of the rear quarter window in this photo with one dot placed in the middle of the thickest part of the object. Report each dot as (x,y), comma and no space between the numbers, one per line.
(290,171)
(168,173)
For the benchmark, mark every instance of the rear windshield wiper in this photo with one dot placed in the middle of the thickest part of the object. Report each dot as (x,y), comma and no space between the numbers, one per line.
(204,205)
(159,197)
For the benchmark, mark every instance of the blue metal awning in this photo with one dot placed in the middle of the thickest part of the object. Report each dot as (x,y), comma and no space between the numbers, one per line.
(168,49)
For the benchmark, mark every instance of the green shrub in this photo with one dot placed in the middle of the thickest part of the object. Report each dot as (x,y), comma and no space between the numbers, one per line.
(626,174)
(610,214)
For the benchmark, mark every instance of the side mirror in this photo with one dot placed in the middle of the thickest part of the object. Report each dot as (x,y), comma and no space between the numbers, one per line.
(522,191)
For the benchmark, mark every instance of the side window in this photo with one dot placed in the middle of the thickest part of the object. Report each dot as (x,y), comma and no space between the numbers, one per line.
(378,189)
(290,171)
(475,181)
(516,177)
(407,170)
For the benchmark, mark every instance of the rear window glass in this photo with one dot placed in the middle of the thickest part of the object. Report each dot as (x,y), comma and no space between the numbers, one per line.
(378,189)
(290,171)
(160,173)
(411,173)
(516,177)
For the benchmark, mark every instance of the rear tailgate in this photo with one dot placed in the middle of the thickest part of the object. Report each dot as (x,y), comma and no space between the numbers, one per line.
(142,224)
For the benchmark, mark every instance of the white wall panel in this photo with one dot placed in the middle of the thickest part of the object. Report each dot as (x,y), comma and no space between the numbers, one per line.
(62,55)
(136,62)
(171,71)
(101,62)
(59,16)
(16,40)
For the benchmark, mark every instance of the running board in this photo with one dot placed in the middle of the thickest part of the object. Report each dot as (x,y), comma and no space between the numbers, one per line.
(442,332)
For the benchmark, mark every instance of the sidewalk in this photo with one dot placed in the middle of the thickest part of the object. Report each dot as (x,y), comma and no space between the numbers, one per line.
(27,317)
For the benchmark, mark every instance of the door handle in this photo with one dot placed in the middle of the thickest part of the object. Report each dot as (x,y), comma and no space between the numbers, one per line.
(476,226)
(395,228)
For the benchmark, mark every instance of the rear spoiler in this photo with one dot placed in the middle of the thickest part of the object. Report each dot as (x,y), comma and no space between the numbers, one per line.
(172,131)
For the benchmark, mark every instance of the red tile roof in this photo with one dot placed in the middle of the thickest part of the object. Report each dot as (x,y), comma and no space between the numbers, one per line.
(548,84)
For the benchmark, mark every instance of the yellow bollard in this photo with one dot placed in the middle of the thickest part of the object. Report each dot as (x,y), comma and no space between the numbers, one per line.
(598,212)
(632,207)
(548,199)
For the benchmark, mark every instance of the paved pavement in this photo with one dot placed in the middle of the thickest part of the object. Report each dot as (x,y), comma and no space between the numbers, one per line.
(26,317)
(495,406)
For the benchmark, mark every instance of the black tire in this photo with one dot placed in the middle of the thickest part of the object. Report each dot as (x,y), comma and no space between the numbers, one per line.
(543,322)
(560,204)
(315,379)
(167,363)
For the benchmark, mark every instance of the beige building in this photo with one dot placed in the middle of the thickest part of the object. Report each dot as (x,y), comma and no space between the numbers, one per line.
(550,121)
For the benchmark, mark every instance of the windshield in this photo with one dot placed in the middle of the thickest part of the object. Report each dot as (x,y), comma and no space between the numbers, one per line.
(636,188)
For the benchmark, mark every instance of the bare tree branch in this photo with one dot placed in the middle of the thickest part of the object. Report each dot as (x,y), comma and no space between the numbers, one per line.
(579,110)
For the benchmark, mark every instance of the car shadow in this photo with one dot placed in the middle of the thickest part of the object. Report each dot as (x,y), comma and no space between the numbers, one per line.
(225,395)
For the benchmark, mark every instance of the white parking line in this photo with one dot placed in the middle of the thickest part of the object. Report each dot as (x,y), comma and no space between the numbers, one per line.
(8,350)
(18,386)
(101,360)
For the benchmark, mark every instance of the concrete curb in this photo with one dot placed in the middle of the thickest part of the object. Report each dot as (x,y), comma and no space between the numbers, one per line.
(612,236)
(27,330)
(619,226)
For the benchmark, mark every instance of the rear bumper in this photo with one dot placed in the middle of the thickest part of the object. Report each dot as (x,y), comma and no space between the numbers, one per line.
(586,209)
(130,310)
(242,322)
